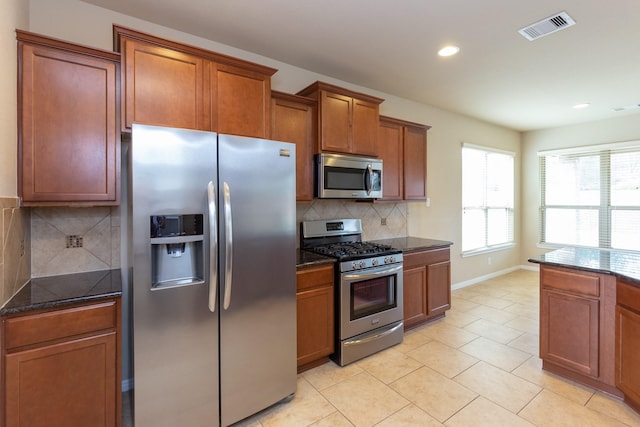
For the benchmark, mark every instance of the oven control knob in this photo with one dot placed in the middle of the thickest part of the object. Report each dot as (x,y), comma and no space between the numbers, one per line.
(357,264)
(374,261)
(389,260)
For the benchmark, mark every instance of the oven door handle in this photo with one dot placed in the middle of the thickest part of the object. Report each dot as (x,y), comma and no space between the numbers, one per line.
(373,337)
(352,277)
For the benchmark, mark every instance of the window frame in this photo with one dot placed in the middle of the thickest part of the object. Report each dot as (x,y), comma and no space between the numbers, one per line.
(510,227)
(604,209)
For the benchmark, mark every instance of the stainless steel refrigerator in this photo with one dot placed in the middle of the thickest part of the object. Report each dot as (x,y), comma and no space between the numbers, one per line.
(213,278)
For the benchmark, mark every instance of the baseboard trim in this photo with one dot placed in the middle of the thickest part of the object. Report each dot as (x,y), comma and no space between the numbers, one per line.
(479,279)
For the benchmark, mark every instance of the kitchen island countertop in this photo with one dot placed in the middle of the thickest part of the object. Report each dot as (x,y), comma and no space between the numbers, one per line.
(53,291)
(625,265)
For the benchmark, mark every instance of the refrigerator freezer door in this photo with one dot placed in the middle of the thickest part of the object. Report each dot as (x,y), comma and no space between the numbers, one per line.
(175,335)
(258,325)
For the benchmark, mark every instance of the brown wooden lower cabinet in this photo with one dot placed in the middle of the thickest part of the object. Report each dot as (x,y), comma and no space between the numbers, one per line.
(426,285)
(628,342)
(62,367)
(315,309)
(576,324)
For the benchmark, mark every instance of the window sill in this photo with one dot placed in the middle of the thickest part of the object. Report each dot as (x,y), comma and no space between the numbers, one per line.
(488,250)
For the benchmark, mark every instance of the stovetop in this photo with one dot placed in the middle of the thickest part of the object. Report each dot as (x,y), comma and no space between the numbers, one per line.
(345,251)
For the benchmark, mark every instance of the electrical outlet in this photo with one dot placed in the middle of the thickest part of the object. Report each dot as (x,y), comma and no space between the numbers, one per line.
(383,221)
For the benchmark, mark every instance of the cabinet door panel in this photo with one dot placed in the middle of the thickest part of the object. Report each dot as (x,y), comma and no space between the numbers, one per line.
(570,331)
(628,354)
(415,164)
(365,128)
(439,289)
(163,87)
(415,296)
(391,152)
(241,102)
(69,146)
(72,384)
(335,122)
(294,122)
(315,324)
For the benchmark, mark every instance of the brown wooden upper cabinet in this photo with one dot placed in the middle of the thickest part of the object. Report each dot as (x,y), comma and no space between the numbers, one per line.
(293,120)
(403,149)
(347,120)
(177,85)
(68,138)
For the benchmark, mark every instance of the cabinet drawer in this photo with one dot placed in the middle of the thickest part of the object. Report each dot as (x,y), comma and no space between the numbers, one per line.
(570,281)
(313,277)
(414,259)
(628,295)
(32,329)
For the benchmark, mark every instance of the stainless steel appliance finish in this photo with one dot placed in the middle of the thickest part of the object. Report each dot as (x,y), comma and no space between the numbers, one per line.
(348,177)
(369,298)
(213,244)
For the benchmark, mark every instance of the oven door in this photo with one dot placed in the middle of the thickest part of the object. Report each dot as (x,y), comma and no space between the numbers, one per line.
(370,299)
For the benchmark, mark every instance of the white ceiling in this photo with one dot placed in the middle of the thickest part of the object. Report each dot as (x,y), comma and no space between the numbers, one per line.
(498,76)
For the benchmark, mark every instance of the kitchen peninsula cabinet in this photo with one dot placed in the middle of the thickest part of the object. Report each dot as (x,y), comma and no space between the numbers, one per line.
(68,138)
(576,325)
(347,120)
(315,310)
(627,336)
(293,120)
(403,149)
(166,83)
(61,366)
(426,285)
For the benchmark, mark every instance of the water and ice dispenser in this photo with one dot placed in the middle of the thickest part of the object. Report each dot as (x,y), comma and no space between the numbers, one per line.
(177,251)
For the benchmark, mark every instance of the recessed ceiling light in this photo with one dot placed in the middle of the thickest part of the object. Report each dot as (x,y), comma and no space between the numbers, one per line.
(448,50)
(583,105)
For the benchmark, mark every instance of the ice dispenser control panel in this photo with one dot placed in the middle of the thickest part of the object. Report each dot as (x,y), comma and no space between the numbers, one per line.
(177,253)
(176,225)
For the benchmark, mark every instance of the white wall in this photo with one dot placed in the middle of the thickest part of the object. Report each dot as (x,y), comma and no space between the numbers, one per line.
(15,14)
(624,128)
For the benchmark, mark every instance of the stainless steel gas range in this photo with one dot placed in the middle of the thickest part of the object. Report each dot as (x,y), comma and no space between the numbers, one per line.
(368,293)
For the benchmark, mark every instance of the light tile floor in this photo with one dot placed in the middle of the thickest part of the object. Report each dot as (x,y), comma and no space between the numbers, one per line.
(477,367)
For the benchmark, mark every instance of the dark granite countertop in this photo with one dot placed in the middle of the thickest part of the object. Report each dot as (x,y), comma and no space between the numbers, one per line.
(625,265)
(47,292)
(409,244)
(307,258)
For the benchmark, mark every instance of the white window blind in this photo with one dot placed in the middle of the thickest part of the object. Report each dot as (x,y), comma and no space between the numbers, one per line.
(487,199)
(590,196)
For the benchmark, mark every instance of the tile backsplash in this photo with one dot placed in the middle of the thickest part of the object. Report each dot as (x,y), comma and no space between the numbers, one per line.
(74,240)
(394,215)
(14,248)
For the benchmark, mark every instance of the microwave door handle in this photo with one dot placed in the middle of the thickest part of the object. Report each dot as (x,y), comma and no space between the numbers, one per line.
(213,247)
(228,226)
(369,180)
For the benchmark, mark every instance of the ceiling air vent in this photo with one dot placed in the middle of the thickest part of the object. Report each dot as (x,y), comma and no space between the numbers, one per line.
(548,25)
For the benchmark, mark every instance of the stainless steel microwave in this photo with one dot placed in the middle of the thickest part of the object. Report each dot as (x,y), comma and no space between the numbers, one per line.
(348,177)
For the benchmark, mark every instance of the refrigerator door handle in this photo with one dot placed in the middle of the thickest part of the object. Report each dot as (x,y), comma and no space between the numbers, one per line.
(213,247)
(228,226)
